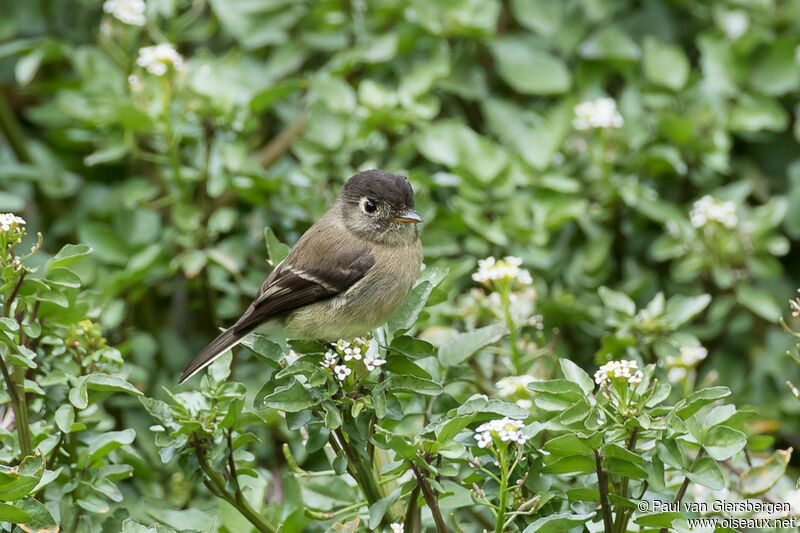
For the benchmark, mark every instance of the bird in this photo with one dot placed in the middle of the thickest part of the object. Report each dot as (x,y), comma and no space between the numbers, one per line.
(346,274)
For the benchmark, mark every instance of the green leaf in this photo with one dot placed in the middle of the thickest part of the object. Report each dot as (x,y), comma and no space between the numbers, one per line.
(706,472)
(65,416)
(568,445)
(276,250)
(461,347)
(378,509)
(105,382)
(699,399)
(408,383)
(577,375)
(759,302)
(405,317)
(40,517)
(665,64)
(18,482)
(455,145)
(617,301)
(529,69)
(576,464)
(609,43)
(681,309)
(760,479)
(104,443)
(291,398)
(558,523)
(13,514)
(67,256)
(624,468)
(723,442)
(658,520)
(776,73)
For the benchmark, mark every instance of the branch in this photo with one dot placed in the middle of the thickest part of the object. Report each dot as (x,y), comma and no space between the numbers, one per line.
(430,500)
(685,485)
(602,482)
(216,485)
(281,143)
(13,131)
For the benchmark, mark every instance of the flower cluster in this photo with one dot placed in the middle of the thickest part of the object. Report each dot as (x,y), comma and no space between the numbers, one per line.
(514,386)
(679,367)
(9,222)
(600,113)
(709,209)
(508,268)
(127,11)
(794,305)
(350,351)
(506,429)
(159,58)
(622,371)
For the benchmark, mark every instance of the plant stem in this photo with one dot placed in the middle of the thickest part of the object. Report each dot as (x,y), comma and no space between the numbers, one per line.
(13,131)
(602,482)
(512,329)
(430,500)
(216,484)
(363,474)
(411,512)
(15,383)
(685,485)
(501,509)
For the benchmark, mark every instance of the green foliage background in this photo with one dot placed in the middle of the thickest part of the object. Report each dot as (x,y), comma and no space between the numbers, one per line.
(173,180)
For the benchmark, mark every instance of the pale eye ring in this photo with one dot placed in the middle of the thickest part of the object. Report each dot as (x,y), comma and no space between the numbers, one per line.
(368,206)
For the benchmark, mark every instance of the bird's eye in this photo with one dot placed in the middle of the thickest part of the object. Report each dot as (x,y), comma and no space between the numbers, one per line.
(368,206)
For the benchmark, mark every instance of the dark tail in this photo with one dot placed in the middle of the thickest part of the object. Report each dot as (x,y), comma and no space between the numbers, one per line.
(226,339)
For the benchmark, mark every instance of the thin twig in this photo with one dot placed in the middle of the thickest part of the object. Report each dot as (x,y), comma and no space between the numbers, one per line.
(685,485)
(281,143)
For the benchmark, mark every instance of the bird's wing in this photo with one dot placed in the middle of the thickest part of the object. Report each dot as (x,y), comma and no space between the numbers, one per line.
(323,264)
(294,284)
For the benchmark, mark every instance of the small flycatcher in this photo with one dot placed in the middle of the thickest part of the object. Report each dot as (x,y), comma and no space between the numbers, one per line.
(345,276)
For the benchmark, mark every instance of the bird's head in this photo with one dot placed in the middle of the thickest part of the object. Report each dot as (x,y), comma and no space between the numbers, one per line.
(379,206)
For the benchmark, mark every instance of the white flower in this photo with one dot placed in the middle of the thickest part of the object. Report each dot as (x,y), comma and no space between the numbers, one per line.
(484,439)
(508,268)
(507,429)
(373,361)
(342,372)
(352,353)
(396,527)
(157,59)
(330,359)
(512,385)
(620,371)
(10,221)
(692,355)
(600,113)
(360,341)
(794,305)
(341,344)
(709,209)
(127,11)
(677,374)
(525,404)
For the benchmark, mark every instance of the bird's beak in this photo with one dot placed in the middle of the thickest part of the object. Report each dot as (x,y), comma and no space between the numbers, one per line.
(409,216)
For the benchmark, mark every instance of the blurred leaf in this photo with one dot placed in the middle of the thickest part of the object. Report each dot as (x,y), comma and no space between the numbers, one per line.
(528,69)
(464,345)
(760,479)
(665,64)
